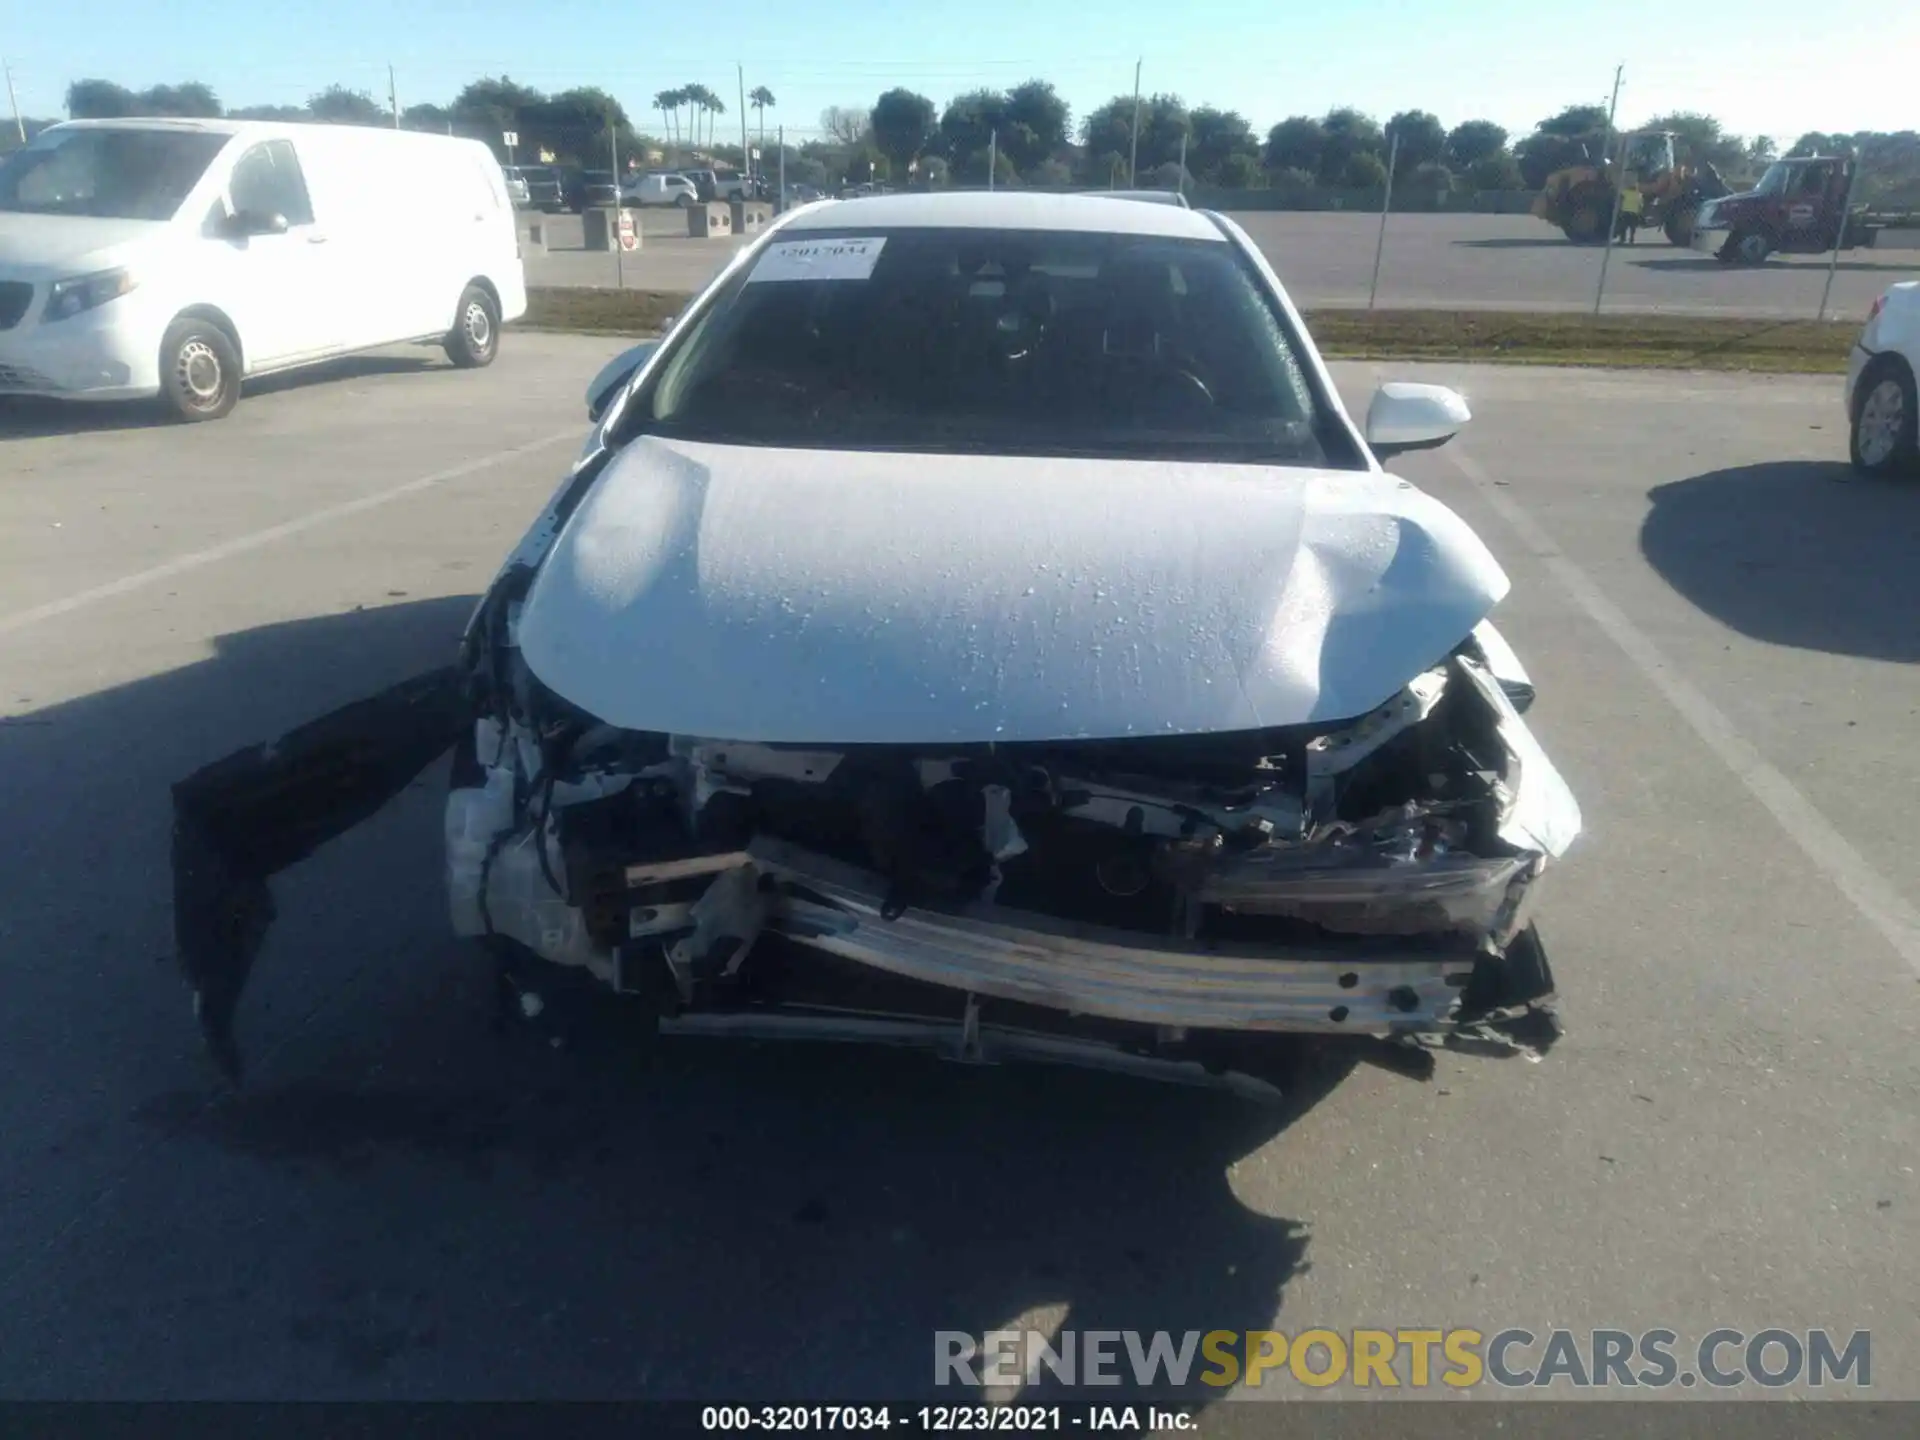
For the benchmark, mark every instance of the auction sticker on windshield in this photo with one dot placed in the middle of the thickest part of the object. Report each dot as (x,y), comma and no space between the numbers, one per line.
(851,259)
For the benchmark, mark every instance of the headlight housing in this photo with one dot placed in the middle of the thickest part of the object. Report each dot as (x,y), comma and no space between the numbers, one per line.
(1704,215)
(80,293)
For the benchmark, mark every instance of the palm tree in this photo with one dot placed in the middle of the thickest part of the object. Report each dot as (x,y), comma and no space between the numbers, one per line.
(713,105)
(695,97)
(761,99)
(667,102)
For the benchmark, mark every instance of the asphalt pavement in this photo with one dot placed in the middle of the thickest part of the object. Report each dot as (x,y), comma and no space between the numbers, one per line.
(1486,262)
(399,1204)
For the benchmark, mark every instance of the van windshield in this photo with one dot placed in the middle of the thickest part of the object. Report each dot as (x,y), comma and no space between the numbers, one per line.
(109,174)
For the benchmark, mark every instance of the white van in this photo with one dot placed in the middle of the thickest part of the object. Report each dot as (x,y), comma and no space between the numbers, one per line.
(173,258)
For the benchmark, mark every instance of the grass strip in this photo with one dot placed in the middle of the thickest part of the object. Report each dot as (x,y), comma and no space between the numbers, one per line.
(1671,342)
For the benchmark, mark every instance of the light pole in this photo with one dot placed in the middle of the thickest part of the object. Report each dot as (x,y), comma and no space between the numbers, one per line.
(1133,160)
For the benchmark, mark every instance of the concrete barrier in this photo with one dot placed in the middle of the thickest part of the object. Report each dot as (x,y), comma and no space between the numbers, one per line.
(713,221)
(750,217)
(533,235)
(598,228)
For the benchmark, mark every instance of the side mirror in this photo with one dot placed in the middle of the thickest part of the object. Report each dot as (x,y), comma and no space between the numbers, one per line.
(615,374)
(244,223)
(1405,416)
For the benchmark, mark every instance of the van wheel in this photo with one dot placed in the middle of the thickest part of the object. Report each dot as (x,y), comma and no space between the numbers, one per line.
(475,337)
(199,370)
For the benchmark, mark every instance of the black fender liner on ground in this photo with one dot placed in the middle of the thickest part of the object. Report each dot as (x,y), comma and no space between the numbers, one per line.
(243,819)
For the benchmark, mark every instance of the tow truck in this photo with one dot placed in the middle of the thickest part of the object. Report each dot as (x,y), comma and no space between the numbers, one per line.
(1799,207)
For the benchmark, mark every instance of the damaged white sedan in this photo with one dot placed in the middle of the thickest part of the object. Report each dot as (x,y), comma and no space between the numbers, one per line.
(977,623)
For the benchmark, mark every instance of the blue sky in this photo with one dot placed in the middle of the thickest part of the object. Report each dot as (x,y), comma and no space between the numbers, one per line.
(1498,59)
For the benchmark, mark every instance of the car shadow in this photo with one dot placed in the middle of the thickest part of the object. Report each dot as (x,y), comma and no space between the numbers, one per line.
(1801,553)
(27,416)
(400,1202)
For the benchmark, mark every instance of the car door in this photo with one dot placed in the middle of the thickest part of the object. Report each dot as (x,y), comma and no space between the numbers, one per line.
(280,288)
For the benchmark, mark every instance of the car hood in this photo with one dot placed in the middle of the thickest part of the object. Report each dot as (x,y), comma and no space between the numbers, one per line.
(54,246)
(812,596)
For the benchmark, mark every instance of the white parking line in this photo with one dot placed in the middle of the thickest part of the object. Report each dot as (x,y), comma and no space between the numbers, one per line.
(212,555)
(1877,901)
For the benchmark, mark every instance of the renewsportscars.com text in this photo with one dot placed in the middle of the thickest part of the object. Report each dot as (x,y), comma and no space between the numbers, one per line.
(1410,1358)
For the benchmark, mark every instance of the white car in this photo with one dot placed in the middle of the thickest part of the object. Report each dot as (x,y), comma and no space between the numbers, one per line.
(1883,414)
(659,190)
(978,623)
(177,258)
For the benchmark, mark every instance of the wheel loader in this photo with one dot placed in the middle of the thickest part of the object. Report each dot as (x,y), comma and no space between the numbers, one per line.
(1654,191)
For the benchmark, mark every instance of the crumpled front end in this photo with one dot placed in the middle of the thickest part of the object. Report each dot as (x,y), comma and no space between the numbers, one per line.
(1168,905)
(1152,902)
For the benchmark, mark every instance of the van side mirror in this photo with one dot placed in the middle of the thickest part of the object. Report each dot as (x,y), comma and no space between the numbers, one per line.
(614,375)
(244,223)
(1404,416)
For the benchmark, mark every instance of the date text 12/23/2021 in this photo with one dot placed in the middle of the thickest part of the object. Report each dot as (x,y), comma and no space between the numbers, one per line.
(945,1419)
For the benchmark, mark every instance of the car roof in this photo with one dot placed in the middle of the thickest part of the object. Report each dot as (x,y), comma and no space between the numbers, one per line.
(1010,210)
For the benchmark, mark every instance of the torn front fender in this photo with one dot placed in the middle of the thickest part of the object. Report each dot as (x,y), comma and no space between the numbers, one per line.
(242,820)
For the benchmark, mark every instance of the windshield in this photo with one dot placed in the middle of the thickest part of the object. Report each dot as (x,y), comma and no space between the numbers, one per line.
(1000,342)
(1774,182)
(111,174)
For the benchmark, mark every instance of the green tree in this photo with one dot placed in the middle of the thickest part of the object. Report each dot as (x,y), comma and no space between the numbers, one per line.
(99,100)
(1036,121)
(1216,137)
(969,121)
(1241,172)
(761,99)
(1163,124)
(1498,171)
(192,100)
(1296,143)
(1350,135)
(1472,141)
(282,113)
(1364,170)
(1423,139)
(902,123)
(1576,121)
(434,118)
(338,105)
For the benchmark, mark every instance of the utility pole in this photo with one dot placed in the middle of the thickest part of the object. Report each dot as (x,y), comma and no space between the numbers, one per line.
(1183,165)
(14,100)
(1133,161)
(993,155)
(746,155)
(393,98)
(1619,175)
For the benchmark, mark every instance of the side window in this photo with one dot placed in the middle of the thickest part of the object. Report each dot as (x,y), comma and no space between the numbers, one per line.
(267,179)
